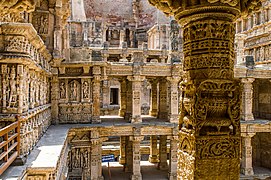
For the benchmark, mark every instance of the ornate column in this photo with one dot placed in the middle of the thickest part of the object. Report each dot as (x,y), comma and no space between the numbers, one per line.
(136,157)
(136,97)
(122,159)
(246,163)
(173,158)
(209,136)
(153,150)
(240,41)
(163,110)
(123,97)
(247,100)
(163,153)
(96,155)
(54,95)
(20,71)
(173,100)
(154,105)
(96,86)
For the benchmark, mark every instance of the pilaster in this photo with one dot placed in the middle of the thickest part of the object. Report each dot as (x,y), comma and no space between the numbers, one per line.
(122,159)
(247,101)
(246,163)
(123,97)
(54,95)
(173,100)
(96,84)
(163,110)
(154,99)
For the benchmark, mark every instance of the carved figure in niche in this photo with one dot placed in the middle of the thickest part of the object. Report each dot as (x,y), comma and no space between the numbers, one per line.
(85,90)
(12,93)
(62,90)
(73,88)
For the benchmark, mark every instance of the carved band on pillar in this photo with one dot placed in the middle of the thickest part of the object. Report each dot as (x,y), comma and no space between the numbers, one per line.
(209,134)
(247,102)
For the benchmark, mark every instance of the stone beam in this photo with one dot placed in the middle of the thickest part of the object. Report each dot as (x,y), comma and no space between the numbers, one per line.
(209,135)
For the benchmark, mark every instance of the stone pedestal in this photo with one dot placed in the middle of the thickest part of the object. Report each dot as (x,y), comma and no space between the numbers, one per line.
(247,101)
(163,153)
(246,163)
(154,105)
(122,159)
(136,157)
(123,97)
(173,158)
(163,110)
(153,157)
(173,101)
(96,86)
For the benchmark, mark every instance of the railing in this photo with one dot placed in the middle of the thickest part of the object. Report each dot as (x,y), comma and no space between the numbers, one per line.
(9,145)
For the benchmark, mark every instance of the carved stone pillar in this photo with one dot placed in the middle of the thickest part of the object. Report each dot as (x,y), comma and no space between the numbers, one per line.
(209,144)
(153,150)
(96,156)
(163,153)
(54,95)
(173,158)
(247,100)
(154,105)
(129,156)
(122,159)
(20,71)
(136,98)
(96,86)
(240,41)
(136,157)
(246,164)
(173,100)
(163,110)
(123,97)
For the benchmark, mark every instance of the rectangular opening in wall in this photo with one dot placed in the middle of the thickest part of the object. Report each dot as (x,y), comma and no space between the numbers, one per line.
(114,96)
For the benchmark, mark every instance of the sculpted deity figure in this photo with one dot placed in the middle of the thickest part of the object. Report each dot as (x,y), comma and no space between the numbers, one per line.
(73,93)
(85,90)
(62,90)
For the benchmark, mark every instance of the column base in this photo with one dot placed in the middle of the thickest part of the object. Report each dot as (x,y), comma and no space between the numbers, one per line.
(153,113)
(136,177)
(127,168)
(121,113)
(172,176)
(247,117)
(127,116)
(163,166)
(96,120)
(122,161)
(136,119)
(174,118)
(247,171)
(19,161)
(153,159)
(162,115)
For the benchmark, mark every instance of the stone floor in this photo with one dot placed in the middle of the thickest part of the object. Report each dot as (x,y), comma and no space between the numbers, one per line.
(148,171)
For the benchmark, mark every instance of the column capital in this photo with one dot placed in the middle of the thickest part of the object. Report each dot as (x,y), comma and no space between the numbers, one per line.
(247,80)
(173,79)
(136,78)
(136,138)
(248,134)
